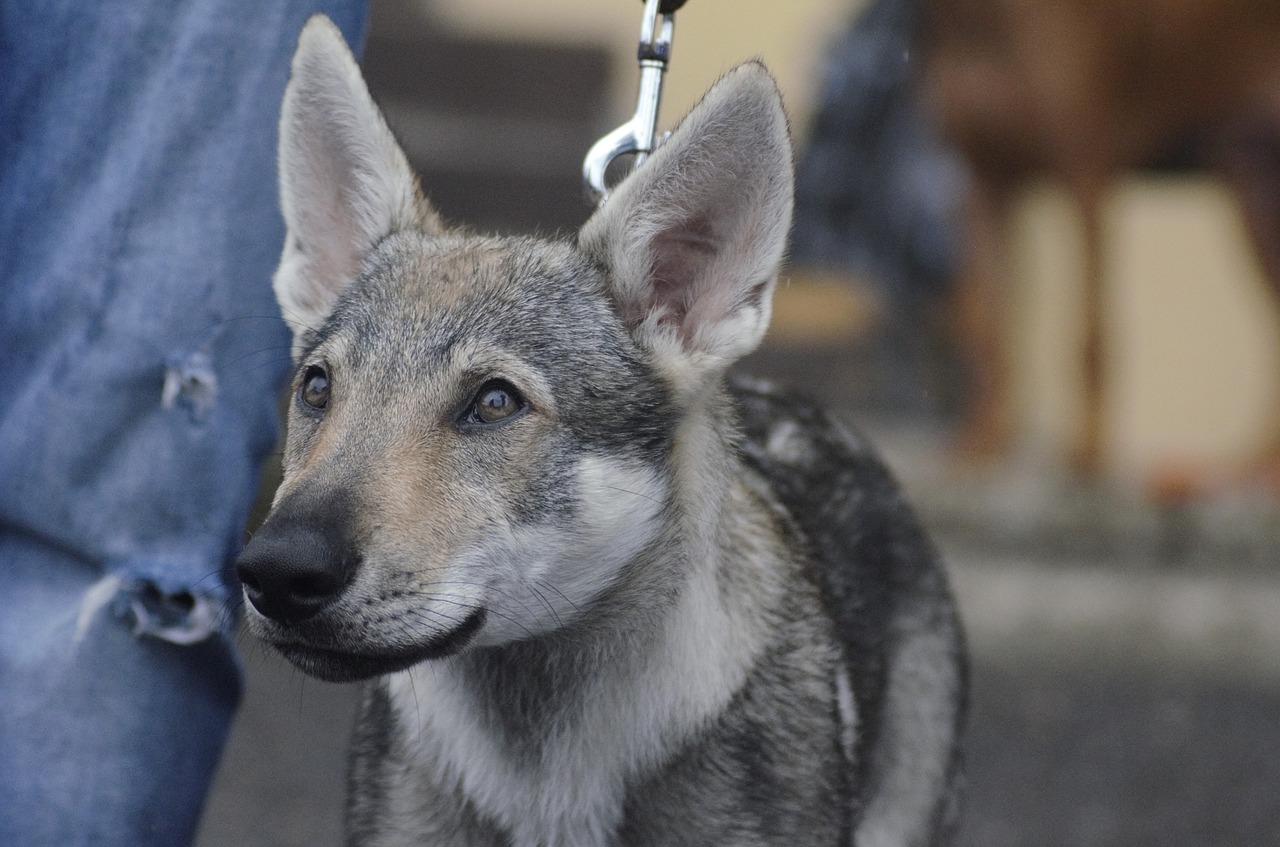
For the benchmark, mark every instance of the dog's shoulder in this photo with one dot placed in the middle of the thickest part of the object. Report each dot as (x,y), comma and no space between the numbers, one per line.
(836,487)
(870,557)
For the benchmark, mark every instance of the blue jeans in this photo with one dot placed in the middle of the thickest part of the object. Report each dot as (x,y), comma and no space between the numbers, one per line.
(141,353)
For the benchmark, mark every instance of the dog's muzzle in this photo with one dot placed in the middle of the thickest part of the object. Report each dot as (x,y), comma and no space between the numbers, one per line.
(298,563)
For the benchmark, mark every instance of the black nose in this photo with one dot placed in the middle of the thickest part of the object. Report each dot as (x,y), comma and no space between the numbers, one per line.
(295,566)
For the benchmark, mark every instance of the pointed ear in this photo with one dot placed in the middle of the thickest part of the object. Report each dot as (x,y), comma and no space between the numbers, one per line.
(694,237)
(344,182)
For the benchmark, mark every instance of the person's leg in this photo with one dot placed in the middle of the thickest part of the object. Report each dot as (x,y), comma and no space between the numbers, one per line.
(109,737)
(140,357)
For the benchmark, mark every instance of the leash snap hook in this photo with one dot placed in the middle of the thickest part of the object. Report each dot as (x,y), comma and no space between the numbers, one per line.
(636,136)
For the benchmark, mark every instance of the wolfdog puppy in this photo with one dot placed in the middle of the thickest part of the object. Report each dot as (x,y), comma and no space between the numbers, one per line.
(601,594)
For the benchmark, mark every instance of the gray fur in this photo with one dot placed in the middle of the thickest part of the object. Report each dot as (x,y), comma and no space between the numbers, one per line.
(646,607)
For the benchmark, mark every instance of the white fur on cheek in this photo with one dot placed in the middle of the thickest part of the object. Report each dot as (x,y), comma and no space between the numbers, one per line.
(550,570)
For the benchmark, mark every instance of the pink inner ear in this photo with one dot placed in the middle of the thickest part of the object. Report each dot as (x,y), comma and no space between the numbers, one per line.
(681,256)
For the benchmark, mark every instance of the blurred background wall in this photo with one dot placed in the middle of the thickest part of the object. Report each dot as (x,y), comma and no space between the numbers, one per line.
(1194,359)
(498,99)
(711,37)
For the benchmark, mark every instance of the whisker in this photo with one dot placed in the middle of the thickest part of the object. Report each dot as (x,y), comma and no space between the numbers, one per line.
(297,319)
(547,603)
(507,594)
(665,504)
(275,316)
(419,612)
(417,707)
(546,584)
(490,611)
(273,349)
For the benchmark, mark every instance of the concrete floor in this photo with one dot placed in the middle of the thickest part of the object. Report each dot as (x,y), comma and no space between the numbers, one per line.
(281,779)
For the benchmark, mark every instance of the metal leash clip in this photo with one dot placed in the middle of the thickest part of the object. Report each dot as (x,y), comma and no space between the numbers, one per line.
(637,136)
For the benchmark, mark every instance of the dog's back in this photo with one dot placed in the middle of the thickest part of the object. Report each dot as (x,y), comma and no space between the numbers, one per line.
(884,587)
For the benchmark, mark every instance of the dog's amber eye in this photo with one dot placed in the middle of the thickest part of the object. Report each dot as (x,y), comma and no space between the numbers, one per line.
(315,387)
(496,400)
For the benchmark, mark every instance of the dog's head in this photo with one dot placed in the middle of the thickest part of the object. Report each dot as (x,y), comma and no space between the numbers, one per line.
(482,431)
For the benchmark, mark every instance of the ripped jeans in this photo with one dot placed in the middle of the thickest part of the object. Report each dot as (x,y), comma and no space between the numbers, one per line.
(141,353)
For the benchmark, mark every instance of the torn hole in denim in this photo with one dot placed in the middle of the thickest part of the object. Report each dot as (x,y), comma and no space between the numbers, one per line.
(191,383)
(181,617)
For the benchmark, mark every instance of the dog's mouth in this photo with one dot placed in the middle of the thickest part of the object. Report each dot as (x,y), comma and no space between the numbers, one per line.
(339,665)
